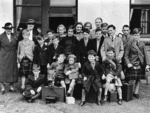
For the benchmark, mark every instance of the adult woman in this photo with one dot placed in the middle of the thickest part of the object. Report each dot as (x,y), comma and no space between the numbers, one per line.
(137,60)
(78,29)
(8,58)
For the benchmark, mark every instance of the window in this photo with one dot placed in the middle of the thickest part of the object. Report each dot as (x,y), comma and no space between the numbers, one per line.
(140,15)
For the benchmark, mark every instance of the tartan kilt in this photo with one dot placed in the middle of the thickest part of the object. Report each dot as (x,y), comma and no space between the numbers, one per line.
(134,74)
(25,67)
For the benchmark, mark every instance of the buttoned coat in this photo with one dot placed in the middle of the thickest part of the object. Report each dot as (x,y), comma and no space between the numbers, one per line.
(133,52)
(83,50)
(8,59)
(117,44)
(93,75)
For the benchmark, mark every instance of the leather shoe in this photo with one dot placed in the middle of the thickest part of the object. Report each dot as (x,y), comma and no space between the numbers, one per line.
(3,92)
(136,96)
(82,103)
(12,90)
(120,102)
(30,101)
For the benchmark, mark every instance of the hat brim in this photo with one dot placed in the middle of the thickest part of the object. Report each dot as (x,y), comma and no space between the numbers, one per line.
(8,28)
(30,23)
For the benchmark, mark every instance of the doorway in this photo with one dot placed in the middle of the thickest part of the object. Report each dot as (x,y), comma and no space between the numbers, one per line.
(55,21)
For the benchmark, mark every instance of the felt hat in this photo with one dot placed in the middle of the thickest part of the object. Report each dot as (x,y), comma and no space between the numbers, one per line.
(30,21)
(8,25)
(92,52)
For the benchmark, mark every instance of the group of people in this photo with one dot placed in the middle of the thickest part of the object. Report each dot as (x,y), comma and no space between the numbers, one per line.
(99,57)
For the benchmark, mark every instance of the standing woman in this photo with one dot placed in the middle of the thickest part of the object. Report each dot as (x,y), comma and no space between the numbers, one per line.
(8,58)
(78,30)
(137,60)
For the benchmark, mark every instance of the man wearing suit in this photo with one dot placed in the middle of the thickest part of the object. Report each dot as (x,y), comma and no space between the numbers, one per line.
(97,43)
(84,46)
(33,32)
(112,41)
(137,60)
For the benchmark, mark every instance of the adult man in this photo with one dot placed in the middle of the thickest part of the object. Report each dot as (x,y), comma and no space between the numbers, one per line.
(98,22)
(126,35)
(112,41)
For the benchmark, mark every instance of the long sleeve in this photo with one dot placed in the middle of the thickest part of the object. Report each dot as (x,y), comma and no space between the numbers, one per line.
(121,50)
(126,55)
(103,53)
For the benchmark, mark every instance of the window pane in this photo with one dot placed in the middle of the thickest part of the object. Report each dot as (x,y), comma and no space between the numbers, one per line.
(140,1)
(62,2)
(28,2)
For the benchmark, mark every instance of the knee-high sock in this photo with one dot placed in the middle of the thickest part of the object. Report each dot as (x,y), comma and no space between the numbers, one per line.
(119,90)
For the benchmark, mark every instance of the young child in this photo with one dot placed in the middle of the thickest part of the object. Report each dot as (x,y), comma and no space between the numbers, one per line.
(54,50)
(34,84)
(72,71)
(92,72)
(112,69)
(58,70)
(49,37)
(41,54)
(25,57)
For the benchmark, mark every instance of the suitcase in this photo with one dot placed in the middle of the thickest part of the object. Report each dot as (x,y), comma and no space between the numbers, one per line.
(112,96)
(54,92)
(127,91)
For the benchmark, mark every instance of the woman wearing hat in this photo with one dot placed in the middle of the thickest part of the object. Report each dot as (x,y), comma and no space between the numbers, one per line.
(8,58)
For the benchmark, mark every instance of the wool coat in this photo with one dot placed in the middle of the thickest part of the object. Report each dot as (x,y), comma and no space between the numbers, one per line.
(137,55)
(8,59)
(93,75)
(117,44)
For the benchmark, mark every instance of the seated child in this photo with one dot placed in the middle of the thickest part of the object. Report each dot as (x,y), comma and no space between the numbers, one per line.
(112,69)
(72,71)
(34,84)
(57,69)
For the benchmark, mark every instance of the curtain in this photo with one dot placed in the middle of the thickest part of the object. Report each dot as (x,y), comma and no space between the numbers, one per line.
(18,12)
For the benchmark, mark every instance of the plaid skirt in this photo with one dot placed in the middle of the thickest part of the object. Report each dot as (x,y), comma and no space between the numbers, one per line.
(134,74)
(25,67)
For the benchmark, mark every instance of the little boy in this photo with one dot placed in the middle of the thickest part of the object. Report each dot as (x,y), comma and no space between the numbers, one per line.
(34,84)
(49,37)
(112,69)
(41,54)
(58,70)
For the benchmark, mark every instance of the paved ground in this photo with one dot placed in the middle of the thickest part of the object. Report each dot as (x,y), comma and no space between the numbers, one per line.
(14,103)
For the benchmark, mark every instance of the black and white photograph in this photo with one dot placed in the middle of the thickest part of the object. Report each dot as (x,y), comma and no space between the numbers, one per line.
(74,56)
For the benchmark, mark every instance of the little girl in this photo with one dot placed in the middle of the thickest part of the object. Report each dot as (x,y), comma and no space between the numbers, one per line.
(25,57)
(72,71)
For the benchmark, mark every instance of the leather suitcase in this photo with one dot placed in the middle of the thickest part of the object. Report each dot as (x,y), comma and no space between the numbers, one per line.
(112,96)
(127,91)
(53,91)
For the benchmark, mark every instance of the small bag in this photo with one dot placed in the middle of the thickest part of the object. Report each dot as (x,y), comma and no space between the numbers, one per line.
(70,100)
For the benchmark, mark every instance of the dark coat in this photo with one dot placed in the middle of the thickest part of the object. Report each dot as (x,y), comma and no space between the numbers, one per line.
(40,55)
(69,44)
(8,59)
(99,49)
(136,55)
(110,68)
(93,76)
(33,84)
(53,53)
(83,50)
